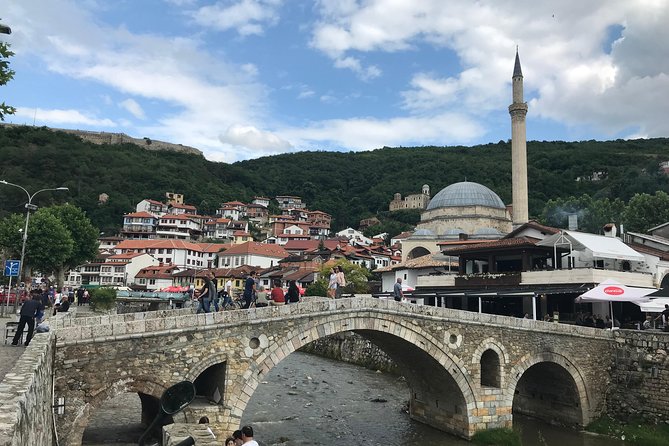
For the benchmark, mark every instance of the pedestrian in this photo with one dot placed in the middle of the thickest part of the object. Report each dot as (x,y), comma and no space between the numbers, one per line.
(87,296)
(80,296)
(227,293)
(205,420)
(247,436)
(261,297)
(332,284)
(207,293)
(341,282)
(62,307)
(237,436)
(29,311)
(277,295)
(230,441)
(249,290)
(398,294)
(664,316)
(293,294)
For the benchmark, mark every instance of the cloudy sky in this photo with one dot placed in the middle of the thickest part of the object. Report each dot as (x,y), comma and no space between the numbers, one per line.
(240,79)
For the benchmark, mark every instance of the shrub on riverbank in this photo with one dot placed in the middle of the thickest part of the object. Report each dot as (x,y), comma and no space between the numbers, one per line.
(497,437)
(103,299)
(635,432)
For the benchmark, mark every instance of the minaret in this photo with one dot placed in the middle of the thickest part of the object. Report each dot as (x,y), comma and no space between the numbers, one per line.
(518,110)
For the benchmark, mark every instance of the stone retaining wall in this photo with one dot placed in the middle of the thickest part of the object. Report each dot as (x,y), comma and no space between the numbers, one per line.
(640,376)
(26,396)
(352,348)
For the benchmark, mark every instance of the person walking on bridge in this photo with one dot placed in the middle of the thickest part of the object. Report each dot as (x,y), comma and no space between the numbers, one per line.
(398,294)
(207,293)
(29,310)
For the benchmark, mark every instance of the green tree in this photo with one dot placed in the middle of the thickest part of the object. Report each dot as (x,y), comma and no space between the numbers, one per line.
(645,211)
(592,214)
(356,278)
(6,74)
(83,234)
(49,243)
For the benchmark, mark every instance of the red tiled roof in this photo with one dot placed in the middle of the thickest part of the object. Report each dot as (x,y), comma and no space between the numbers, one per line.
(261,249)
(533,224)
(176,217)
(155,202)
(142,214)
(157,272)
(495,244)
(234,203)
(644,249)
(309,245)
(127,255)
(213,247)
(158,243)
(184,206)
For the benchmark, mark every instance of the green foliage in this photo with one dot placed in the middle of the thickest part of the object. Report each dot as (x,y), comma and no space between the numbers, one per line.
(83,233)
(318,288)
(6,74)
(357,278)
(349,186)
(497,437)
(592,213)
(103,299)
(634,432)
(645,211)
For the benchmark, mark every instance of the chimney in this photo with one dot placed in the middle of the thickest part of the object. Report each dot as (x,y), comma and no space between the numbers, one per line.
(610,230)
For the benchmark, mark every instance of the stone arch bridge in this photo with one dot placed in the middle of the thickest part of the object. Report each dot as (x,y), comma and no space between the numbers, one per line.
(465,371)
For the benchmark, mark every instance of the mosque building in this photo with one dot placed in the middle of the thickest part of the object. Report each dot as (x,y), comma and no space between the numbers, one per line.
(467,212)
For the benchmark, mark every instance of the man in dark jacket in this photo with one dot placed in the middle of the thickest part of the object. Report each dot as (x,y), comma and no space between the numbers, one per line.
(29,310)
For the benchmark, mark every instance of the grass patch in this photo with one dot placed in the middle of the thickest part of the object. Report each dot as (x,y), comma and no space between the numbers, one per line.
(634,432)
(497,437)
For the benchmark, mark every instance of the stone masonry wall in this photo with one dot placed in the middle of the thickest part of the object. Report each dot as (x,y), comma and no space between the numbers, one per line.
(26,396)
(352,348)
(641,376)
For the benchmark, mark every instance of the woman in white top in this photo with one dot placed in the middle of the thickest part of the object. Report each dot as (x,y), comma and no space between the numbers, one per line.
(332,285)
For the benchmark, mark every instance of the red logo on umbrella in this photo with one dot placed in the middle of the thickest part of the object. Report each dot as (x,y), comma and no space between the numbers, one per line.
(614,290)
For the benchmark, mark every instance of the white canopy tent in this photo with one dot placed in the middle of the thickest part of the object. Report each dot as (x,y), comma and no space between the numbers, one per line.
(600,246)
(611,291)
(655,305)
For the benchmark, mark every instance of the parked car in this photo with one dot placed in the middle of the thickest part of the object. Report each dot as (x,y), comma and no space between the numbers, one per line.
(23,295)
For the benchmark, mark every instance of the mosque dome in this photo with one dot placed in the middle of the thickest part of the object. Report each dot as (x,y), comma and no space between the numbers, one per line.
(423,232)
(454,232)
(465,194)
(488,231)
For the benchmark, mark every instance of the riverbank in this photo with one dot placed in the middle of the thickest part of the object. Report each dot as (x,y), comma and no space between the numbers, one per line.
(633,432)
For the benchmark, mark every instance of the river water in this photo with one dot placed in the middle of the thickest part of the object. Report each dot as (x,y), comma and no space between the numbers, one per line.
(309,400)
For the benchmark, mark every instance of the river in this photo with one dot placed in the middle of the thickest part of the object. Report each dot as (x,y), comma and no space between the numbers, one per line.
(309,400)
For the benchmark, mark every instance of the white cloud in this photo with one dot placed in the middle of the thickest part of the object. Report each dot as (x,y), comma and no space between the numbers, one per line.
(247,17)
(569,75)
(252,138)
(132,107)
(61,117)
(369,133)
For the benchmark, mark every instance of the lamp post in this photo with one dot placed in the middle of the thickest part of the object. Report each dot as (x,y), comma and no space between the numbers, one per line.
(29,207)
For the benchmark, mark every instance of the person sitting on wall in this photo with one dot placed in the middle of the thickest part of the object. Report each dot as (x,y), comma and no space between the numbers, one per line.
(278,298)
(62,307)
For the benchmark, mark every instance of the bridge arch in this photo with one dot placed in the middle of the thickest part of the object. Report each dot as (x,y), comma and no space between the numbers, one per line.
(91,405)
(564,386)
(442,393)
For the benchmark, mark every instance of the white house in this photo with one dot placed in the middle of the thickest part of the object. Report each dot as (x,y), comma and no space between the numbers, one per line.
(257,254)
(355,237)
(178,226)
(152,207)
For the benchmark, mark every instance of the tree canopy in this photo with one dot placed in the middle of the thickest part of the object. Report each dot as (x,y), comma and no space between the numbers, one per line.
(6,74)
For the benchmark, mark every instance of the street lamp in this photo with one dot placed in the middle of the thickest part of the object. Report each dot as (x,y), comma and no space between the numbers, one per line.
(29,207)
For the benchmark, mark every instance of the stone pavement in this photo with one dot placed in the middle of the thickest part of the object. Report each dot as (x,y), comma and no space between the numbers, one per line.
(9,354)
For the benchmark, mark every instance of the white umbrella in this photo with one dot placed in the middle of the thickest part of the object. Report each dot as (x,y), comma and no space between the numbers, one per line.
(612,291)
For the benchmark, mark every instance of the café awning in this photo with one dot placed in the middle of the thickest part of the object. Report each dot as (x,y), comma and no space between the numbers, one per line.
(612,291)
(600,246)
(655,305)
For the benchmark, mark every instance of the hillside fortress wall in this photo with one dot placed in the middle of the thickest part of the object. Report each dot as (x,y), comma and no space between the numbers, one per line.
(121,138)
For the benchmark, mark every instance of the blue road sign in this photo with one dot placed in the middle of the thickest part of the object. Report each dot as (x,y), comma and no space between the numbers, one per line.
(12,268)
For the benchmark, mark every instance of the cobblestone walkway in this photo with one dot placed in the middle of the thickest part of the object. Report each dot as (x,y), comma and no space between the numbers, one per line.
(9,354)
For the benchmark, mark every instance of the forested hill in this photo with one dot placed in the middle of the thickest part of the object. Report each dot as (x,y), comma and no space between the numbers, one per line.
(350,186)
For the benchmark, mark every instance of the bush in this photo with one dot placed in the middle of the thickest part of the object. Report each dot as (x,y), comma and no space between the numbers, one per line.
(497,437)
(636,432)
(103,299)
(318,288)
